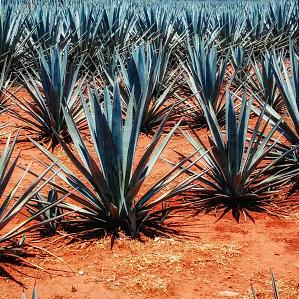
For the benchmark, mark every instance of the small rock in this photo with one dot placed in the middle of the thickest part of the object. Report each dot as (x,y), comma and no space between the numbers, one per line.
(81,272)
(228,294)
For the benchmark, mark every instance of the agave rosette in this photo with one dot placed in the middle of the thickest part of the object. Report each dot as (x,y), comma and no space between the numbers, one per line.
(206,78)
(235,169)
(146,76)
(56,85)
(110,199)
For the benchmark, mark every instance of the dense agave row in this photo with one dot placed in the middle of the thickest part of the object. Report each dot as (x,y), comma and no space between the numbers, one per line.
(98,32)
(98,76)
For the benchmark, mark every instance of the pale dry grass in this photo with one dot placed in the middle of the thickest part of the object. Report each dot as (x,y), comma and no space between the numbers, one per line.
(156,265)
(295,217)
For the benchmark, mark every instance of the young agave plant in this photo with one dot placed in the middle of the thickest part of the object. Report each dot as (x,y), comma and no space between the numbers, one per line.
(34,293)
(111,199)
(56,87)
(51,211)
(234,167)
(206,77)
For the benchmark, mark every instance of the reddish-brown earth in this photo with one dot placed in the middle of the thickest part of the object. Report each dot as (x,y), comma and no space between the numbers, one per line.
(224,257)
(219,257)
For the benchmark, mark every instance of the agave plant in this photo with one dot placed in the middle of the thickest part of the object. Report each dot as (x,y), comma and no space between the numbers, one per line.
(261,35)
(240,64)
(196,22)
(288,85)
(282,19)
(116,31)
(281,23)
(84,26)
(255,24)
(111,199)
(235,165)
(206,77)
(57,86)
(15,201)
(116,34)
(262,83)
(147,78)
(45,28)
(238,58)
(50,211)
(230,29)
(12,38)
(157,25)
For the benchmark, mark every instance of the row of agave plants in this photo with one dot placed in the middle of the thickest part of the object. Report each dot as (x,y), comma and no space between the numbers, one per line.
(98,32)
(95,107)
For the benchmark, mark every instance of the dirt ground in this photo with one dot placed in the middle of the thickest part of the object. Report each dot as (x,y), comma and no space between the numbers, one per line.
(224,259)
(220,260)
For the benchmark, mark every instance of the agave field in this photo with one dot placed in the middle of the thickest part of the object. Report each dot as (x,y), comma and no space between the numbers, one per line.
(129,128)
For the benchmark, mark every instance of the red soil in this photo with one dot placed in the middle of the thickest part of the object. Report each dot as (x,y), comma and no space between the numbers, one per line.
(224,257)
